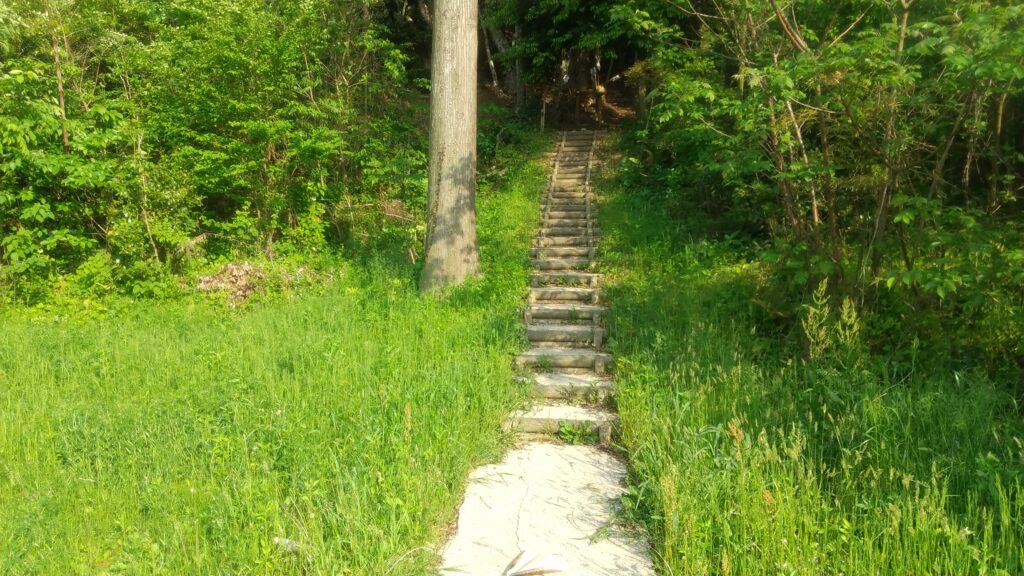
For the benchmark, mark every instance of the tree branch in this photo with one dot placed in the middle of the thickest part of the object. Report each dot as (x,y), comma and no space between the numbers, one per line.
(794,37)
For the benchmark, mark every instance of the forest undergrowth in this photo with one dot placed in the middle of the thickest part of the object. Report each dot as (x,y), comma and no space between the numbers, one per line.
(758,451)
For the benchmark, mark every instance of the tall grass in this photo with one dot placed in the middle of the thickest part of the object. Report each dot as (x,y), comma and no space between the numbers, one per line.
(326,435)
(748,459)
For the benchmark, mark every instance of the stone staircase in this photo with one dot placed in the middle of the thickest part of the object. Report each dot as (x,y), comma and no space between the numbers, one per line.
(567,364)
(551,500)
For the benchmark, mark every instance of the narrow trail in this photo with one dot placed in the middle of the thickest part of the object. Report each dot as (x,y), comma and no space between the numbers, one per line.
(550,499)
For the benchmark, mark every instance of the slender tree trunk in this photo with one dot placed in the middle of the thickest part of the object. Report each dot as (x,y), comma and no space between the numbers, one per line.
(972,142)
(451,249)
(997,159)
(640,99)
(497,36)
(829,192)
(490,57)
(500,42)
(785,187)
(815,216)
(940,163)
(892,160)
(60,82)
(517,80)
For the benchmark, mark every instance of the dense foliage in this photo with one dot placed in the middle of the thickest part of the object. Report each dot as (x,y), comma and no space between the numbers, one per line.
(139,138)
(748,459)
(871,145)
(329,434)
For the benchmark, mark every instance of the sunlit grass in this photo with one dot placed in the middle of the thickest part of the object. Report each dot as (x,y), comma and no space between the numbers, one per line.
(326,435)
(747,460)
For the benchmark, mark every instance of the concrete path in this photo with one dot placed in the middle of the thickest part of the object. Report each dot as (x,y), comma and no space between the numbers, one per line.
(549,507)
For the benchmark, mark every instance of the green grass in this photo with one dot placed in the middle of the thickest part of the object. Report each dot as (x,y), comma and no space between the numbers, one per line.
(182,438)
(747,460)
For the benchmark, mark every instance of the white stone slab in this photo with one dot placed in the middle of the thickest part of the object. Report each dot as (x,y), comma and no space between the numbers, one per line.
(551,500)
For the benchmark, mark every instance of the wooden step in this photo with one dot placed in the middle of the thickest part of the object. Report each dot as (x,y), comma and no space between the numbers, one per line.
(569,199)
(574,215)
(564,311)
(576,207)
(567,204)
(542,241)
(575,220)
(577,210)
(551,418)
(570,231)
(580,225)
(579,196)
(564,294)
(568,211)
(565,335)
(590,387)
(557,212)
(568,187)
(565,278)
(574,160)
(545,358)
(561,263)
(563,251)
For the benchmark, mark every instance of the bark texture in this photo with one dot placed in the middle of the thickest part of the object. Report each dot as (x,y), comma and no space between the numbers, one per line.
(451,247)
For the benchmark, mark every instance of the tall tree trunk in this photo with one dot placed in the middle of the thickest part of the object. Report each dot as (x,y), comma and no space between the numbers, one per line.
(451,249)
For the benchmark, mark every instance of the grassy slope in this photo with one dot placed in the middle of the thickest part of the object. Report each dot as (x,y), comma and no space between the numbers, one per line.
(748,461)
(182,439)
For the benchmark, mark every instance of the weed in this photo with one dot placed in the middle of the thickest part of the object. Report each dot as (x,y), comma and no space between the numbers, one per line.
(579,433)
(544,364)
